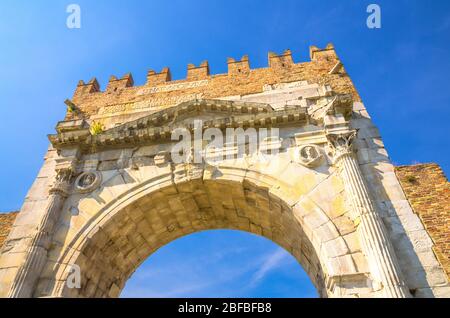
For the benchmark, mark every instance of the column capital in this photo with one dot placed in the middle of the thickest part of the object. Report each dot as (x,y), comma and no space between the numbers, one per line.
(341,143)
(61,185)
(66,165)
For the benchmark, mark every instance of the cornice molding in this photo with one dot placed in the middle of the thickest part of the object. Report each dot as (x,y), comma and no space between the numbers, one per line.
(158,126)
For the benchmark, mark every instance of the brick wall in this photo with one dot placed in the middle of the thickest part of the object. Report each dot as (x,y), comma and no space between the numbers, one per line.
(241,79)
(6,222)
(428,192)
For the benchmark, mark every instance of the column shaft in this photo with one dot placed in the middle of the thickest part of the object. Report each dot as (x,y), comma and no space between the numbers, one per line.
(375,242)
(36,257)
(372,232)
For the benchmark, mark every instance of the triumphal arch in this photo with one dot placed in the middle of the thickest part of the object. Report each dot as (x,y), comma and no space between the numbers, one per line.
(317,181)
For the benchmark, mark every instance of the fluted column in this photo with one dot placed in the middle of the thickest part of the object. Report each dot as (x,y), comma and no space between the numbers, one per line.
(29,272)
(372,232)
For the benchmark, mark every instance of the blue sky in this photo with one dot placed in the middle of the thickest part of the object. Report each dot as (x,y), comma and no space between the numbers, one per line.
(401,71)
(220,263)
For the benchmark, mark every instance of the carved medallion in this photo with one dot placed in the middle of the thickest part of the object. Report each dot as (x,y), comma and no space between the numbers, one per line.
(309,155)
(88,181)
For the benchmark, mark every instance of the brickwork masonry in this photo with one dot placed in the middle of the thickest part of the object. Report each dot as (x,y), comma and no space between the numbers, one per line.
(428,192)
(6,223)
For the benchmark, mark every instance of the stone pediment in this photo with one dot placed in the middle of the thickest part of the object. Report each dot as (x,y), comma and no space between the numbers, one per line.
(185,113)
(158,126)
(213,113)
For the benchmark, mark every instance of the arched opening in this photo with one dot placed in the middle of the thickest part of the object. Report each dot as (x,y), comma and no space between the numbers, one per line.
(220,263)
(125,232)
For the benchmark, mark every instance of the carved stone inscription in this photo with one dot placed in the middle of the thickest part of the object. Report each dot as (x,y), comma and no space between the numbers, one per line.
(148,104)
(172,87)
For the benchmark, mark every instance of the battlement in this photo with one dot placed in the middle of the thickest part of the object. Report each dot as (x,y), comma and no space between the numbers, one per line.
(240,67)
(116,83)
(161,91)
(154,78)
(87,88)
(194,73)
(281,61)
(327,53)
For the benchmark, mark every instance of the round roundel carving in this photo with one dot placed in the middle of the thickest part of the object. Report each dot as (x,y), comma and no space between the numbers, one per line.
(88,181)
(310,155)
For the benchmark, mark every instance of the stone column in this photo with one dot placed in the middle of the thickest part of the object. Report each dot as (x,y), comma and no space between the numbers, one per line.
(374,240)
(29,272)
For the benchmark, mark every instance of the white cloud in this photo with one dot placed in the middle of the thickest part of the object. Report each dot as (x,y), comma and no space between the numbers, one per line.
(194,275)
(237,270)
(273,261)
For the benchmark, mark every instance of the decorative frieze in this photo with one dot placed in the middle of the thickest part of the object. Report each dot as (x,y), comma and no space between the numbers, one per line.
(172,87)
(147,104)
(159,126)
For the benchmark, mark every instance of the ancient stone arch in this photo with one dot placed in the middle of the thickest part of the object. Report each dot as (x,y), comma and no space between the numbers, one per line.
(188,206)
(110,192)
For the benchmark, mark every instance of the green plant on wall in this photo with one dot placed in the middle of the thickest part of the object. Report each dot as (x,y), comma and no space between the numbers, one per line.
(96,128)
(71,107)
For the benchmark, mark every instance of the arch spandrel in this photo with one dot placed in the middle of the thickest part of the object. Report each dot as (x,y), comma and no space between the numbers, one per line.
(145,196)
(236,198)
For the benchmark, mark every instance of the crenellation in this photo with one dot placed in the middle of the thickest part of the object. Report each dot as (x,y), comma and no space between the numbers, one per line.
(196,73)
(327,53)
(238,68)
(117,84)
(281,61)
(154,78)
(82,89)
(160,91)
